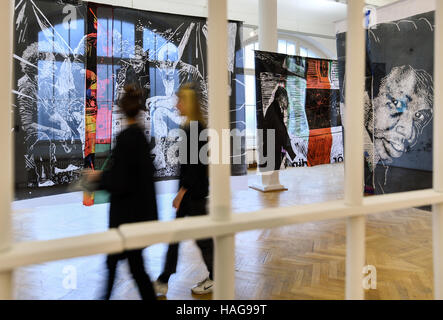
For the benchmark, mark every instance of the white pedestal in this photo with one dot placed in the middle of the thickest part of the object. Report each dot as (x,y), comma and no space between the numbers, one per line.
(268,181)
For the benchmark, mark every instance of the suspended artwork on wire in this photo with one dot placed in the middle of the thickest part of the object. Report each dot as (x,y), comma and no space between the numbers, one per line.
(298,97)
(49,89)
(398,104)
(72,63)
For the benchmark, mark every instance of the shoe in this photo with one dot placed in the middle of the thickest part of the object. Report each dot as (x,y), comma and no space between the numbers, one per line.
(161,288)
(203,287)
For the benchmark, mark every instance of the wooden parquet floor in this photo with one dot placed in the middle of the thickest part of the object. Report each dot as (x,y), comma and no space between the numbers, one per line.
(293,262)
(308,261)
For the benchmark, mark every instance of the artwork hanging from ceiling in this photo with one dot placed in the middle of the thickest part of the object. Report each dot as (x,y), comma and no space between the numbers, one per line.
(49,62)
(398,104)
(72,62)
(298,97)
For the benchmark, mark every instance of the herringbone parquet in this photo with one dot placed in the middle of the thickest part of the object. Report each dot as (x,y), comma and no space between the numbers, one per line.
(293,262)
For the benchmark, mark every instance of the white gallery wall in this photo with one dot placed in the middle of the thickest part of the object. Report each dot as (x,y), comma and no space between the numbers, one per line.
(314,19)
(395,11)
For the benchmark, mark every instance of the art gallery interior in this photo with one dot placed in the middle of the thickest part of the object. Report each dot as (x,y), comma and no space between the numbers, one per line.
(351,208)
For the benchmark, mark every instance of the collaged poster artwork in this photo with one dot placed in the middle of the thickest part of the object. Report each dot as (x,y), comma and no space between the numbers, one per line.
(398,104)
(72,63)
(309,108)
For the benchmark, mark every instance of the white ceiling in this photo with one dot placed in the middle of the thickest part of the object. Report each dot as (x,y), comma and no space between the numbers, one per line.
(380,3)
(293,14)
(309,16)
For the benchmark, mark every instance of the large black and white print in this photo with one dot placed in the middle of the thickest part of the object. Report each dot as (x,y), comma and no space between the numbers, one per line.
(49,62)
(177,54)
(72,56)
(160,52)
(398,104)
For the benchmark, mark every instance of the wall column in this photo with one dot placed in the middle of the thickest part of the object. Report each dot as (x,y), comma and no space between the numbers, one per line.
(267,25)
(268,39)
(220,173)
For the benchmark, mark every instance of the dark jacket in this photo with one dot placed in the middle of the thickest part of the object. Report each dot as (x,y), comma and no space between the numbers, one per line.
(129,180)
(274,119)
(194,176)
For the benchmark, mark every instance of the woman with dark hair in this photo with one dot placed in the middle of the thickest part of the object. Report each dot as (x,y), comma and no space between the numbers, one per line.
(129,180)
(274,119)
(193,191)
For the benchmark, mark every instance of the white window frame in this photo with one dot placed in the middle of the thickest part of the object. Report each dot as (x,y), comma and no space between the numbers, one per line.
(223,225)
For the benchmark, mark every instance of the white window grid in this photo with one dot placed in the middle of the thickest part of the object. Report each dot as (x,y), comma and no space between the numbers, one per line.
(221,224)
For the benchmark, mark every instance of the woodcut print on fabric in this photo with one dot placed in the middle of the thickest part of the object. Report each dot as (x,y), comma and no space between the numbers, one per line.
(49,63)
(72,63)
(307,119)
(398,104)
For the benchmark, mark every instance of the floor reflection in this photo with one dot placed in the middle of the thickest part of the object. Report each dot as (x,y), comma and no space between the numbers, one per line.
(65,216)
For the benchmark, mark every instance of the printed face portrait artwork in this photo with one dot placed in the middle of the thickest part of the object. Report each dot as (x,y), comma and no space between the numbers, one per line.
(398,104)
(399,113)
(72,63)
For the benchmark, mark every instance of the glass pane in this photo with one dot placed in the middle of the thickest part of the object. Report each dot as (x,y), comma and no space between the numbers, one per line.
(251,119)
(149,43)
(168,52)
(303,52)
(103,44)
(63,79)
(45,40)
(45,102)
(291,49)
(45,80)
(250,89)
(77,33)
(79,80)
(61,39)
(312,54)
(104,88)
(159,43)
(128,39)
(117,39)
(104,122)
(249,56)
(281,46)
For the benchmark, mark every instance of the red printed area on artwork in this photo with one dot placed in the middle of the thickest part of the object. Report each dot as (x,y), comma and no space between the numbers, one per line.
(318,74)
(320,145)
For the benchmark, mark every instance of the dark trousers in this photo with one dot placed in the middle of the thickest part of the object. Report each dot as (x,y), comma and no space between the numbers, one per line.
(137,267)
(189,207)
